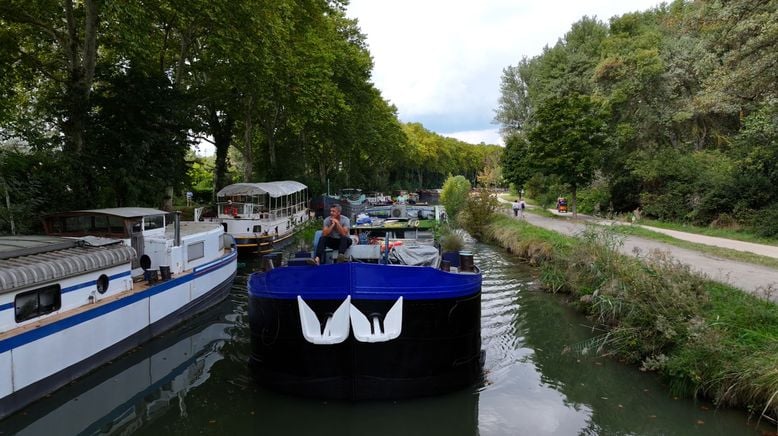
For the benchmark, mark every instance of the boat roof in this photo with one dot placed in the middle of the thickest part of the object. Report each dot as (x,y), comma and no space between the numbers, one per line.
(123,212)
(15,246)
(30,260)
(273,189)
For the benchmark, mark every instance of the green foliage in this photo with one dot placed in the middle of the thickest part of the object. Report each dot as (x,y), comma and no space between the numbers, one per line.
(478,212)
(594,199)
(431,157)
(454,195)
(139,128)
(706,339)
(450,239)
(568,139)
(303,239)
(765,223)
(690,94)
(28,184)
(516,169)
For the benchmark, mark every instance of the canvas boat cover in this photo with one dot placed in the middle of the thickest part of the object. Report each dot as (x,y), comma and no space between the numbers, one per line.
(28,261)
(273,189)
(122,212)
(421,255)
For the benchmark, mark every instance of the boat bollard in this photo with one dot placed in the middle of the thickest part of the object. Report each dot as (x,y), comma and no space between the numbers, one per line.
(164,271)
(466,261)
(150,275)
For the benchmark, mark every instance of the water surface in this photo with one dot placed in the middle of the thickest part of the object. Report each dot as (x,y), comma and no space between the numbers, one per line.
(195,381)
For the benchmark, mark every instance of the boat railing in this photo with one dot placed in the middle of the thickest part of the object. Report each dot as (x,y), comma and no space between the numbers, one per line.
(261,212)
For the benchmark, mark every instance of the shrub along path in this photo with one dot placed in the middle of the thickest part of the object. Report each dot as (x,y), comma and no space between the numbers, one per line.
(756,279)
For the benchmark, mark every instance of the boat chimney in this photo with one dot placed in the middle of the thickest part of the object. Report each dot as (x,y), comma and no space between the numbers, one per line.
(177,229)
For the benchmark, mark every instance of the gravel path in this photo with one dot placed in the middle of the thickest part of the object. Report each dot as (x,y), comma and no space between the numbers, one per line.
(748,277)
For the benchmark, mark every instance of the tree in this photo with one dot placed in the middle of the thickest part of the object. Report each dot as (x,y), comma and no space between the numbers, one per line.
(57,44)
(568,140)
(454,196)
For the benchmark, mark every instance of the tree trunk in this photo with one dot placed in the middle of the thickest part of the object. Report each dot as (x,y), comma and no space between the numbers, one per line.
(8,205)
(248,134)
(322,173)
(221,130)
(167,201)
(81,71)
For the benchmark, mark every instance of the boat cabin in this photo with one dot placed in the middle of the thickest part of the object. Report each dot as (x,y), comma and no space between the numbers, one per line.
(262,201)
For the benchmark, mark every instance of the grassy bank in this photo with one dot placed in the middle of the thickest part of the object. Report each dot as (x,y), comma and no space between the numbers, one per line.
(705,338)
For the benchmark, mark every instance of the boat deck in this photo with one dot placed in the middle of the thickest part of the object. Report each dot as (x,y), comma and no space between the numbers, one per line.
(190,228)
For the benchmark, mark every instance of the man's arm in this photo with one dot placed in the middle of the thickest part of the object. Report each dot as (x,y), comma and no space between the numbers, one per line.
(343,228)
(327,229)
(340,228)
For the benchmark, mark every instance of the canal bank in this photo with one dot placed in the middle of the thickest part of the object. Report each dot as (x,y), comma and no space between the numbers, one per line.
(705,338)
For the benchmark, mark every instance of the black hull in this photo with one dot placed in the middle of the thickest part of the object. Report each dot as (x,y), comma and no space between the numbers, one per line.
(438,351)
(258,246)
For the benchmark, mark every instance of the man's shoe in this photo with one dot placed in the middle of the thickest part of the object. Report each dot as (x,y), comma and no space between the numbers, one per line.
(312,261)
(341,258)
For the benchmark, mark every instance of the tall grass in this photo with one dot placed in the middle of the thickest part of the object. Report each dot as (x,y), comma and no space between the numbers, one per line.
(707,339)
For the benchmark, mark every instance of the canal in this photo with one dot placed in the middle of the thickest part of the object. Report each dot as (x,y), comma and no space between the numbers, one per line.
(539,380)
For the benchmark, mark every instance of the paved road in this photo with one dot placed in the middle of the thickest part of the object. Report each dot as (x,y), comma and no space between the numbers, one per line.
(746,276)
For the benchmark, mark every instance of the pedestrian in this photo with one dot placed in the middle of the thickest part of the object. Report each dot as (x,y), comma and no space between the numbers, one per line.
(522,206)
(516,208)
(189,196)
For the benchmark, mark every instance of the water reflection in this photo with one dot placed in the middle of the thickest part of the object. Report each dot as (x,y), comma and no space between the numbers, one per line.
(125,395)
(536,386)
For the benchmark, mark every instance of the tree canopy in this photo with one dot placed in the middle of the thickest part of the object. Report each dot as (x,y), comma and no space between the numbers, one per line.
(687,95)
(111,96)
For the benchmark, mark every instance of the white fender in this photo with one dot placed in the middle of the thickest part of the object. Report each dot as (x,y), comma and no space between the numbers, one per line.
(336,329)
(365,331)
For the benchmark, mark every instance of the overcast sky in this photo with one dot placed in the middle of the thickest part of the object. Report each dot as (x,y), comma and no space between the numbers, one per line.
(440,61)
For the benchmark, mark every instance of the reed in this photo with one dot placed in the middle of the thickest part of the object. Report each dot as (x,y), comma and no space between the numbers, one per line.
(706,339)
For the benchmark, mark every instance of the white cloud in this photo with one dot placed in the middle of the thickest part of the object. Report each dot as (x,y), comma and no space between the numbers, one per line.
(487,136)
(440,61)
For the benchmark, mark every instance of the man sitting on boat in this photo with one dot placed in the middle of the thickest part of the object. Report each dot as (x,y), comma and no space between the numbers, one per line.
(334,234)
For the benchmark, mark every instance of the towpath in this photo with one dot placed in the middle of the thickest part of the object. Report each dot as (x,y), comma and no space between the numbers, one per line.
(756,279)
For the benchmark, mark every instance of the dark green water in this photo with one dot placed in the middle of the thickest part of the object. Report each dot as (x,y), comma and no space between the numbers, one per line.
(195,381)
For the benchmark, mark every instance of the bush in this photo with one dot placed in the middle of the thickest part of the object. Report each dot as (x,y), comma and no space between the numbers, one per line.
(479,211)
(765,222)
(454,196)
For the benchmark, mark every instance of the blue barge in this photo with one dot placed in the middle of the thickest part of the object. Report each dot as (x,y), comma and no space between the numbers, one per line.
(362,330)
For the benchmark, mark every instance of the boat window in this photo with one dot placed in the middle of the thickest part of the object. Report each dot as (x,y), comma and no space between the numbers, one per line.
(38,302)
(195,251)
(257,229)
(153,222)
(86,225)
(102,283)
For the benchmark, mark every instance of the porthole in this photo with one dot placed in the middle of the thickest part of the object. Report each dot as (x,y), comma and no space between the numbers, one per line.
(102,284)
(145,262)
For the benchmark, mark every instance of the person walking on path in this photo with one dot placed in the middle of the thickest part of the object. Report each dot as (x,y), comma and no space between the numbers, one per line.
(522,206)
(516,208)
